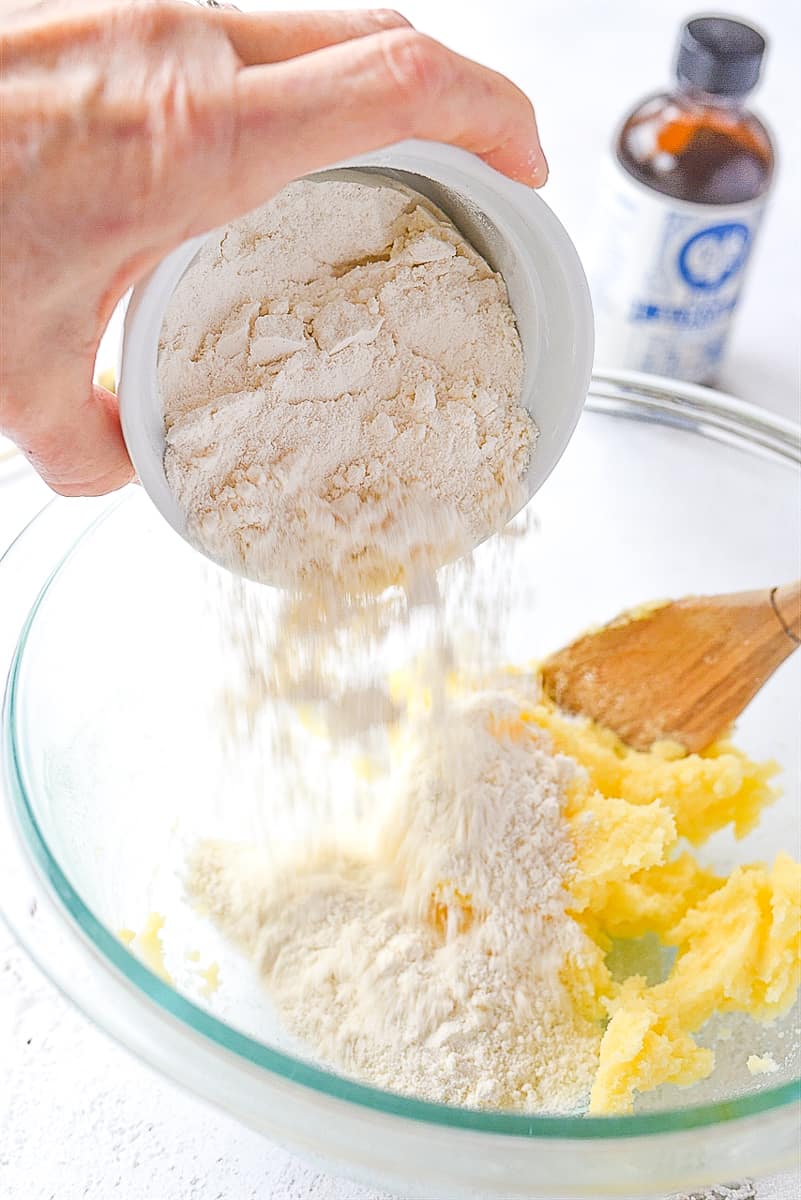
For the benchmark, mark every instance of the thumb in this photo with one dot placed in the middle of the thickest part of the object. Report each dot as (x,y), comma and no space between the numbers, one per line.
(79,453)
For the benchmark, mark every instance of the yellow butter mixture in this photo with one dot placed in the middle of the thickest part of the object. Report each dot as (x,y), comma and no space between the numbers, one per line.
(737,939)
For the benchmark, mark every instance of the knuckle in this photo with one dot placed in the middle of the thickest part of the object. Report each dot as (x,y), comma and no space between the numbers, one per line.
(416,64)
(162,25)
(164,15)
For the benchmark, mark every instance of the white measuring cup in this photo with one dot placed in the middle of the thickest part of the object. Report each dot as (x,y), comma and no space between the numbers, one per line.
(508,223)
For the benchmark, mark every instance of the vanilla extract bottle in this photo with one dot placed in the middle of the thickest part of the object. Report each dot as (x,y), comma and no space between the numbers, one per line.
(681,204)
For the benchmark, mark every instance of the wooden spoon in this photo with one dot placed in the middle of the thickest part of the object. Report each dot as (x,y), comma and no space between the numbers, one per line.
(681,671)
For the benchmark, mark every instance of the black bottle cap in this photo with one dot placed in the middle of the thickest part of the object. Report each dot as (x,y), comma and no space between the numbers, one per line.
(719,55)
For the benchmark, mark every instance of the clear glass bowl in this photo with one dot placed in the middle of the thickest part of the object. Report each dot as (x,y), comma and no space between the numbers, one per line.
(112,767)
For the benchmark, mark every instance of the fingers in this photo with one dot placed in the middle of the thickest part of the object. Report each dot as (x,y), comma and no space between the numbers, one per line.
(274,37)
(82,454)
(351,98)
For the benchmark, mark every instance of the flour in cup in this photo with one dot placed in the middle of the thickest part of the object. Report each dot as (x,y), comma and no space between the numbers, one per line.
(341,377)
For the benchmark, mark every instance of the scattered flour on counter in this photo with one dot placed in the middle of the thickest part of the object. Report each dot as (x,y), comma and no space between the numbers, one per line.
(425,956)
(341,376)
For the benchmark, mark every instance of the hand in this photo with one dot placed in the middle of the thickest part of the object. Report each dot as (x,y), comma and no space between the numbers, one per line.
(130,125)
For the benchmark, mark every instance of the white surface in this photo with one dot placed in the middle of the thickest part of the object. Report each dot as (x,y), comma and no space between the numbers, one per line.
(78,1117)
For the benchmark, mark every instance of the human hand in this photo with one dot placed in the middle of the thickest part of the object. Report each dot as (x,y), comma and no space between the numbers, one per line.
(127,126)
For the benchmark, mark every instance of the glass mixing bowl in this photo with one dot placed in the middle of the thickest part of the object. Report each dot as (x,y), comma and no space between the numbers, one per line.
(112,767)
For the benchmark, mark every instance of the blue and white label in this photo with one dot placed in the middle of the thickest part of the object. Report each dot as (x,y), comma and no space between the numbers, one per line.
(667,278)
(712,256)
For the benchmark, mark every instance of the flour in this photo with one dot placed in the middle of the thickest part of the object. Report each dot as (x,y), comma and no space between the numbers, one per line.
(341,377)
(423,953)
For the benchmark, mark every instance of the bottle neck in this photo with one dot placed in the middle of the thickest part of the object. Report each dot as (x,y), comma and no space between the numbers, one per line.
(698,96)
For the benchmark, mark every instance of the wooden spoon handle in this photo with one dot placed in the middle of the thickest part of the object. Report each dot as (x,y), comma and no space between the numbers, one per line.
(786,603)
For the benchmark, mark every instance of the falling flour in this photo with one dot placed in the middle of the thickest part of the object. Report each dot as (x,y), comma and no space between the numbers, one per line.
(341,377)
(426,956)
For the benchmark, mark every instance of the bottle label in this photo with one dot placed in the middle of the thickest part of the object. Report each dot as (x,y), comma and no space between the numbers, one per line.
(667,277)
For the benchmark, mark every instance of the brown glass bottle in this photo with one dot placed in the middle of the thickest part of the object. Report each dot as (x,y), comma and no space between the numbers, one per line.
(681,207)
(697,146)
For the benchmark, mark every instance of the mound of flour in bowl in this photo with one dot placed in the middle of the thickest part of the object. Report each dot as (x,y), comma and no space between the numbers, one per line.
(426,956)
(341,376)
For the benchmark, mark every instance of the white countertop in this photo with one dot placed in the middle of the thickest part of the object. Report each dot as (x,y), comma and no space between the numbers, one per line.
(78,1116)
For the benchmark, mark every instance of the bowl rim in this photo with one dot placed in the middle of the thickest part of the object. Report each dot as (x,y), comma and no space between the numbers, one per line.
(632,395)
